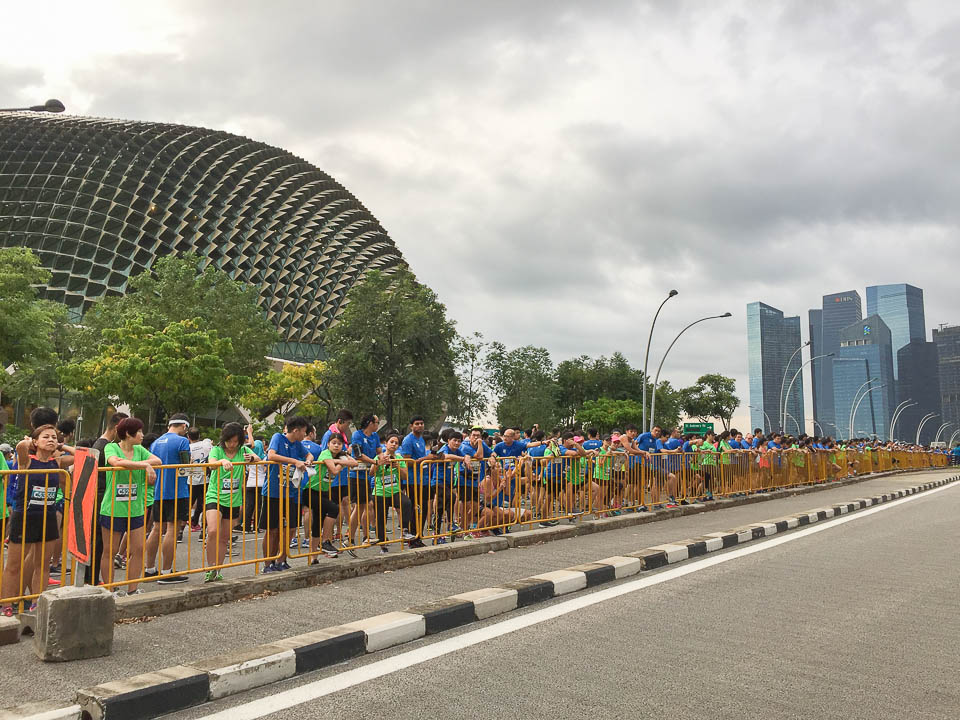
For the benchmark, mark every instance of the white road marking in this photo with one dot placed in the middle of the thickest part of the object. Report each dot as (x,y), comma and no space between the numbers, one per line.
(341,681)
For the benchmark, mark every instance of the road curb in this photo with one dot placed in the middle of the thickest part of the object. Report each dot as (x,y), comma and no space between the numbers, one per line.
(152,694)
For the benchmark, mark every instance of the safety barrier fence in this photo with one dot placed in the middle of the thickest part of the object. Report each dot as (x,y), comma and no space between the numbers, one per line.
(235,525)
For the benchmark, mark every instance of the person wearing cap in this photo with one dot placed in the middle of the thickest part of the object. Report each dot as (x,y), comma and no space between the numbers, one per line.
(171,509)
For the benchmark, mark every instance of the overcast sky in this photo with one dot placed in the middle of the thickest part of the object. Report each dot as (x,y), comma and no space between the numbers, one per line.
(553,169)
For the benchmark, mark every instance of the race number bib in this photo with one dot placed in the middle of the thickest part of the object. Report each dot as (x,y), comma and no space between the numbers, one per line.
(41,496)
(389,479)
(126,493)
(230,484)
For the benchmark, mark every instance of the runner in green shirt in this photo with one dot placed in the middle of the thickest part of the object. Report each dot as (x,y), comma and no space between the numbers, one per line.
(324,509)
(223,503)
(391,470)
(708,463)
(122,509)
(4,509)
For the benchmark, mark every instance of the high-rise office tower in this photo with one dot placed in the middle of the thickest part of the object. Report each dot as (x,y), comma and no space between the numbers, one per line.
(772,340)
(919,383)
(947,340)
(900,306)
(864,355)
(838,311)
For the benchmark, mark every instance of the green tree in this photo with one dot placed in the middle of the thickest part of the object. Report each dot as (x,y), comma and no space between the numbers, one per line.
(178,368)
(391,352)
(303,389)
(583,378)
(175,290)
(472,399)
(669,406)
(712,396)
(26,323)
(523,382)
(606,414)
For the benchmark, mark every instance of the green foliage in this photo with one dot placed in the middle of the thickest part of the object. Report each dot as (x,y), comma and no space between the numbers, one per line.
(471,402)
(712,396)
(26,323)
(178,369)
(391,352)
(13,434)
(174,292)
(583,378)
(668,409)
(605,414)
(523,381)
(300,389)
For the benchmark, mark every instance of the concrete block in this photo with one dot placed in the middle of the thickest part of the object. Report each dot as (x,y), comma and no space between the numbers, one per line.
(325,647)
(650,558)
(596,573)
(445,614)
(42,711)
(522,538)
(711,543)
(695,547)
(9,631)
(247,669)
(488,602)
(727,539)
(674,553)
(531,590)
(147,695)
(74,623)
(623,566)
(768,528)
(564,581)
(390,629)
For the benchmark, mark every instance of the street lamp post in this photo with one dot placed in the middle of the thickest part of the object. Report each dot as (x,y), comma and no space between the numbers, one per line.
(769,424)
(799,430)
(953,438)
(50,106)
(923,422)
(783,406)
(854,402)
(942,428)
(816,425)
(646,357)
(794,379)
(653,400)
(908,403)
(853,413)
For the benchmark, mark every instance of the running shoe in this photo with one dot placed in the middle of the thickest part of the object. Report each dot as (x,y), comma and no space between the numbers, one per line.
(407,535)
(350,551)
(496,531)
(138,591)
(150,573)
(294,543)
(440,541)
(119,562)
(271,568)
(304,544)
(416,543)
(119,593)
(194,528)
(384,549)
(209,576)
(454,529)
(643,508)
(172,579)
(328,549)
(33,607)
(55,569)
(283,566)
(7,611)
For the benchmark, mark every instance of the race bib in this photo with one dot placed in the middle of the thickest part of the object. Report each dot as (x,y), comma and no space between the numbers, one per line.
(40,495)
(230,484)
(389,480)
(126,493)
(474,466)
(508,463)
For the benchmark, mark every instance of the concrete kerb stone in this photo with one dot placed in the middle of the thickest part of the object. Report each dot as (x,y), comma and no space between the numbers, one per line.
(389,629)
(322,648)
(445,614)
(42,711)
(530,591)
(596,573)
(622,566)
(650,558)
(9,630)
(675,552)
(147,695)
(488,602)
(247,669)
(564,581)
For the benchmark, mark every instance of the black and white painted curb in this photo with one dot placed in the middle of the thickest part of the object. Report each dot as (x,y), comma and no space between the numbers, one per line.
(176,688)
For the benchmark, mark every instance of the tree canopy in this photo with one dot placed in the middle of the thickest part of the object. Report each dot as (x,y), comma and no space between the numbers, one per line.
(712,396)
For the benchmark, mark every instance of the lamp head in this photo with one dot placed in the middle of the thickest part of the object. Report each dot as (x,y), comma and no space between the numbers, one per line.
(673,292)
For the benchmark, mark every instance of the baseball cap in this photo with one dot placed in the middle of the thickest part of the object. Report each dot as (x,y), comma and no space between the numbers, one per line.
(615,437)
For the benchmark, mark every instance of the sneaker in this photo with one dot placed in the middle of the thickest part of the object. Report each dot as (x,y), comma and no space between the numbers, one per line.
(350,551)
(370,541)
(576,511)
(496,531)
(172,579)
(407,535)
(53,582)
(440,541)
(55,569)
(283,566)
(384,549)
(684,502)
(33,607)
(454,529)
(416,543)
(328,549)
(270,568)
(295,543)
(194,528)
(119,562)
(468,536)
(304,544)
(150,574)
(179,537)
(210,576)
(643,508)
(119,593)
(138,591)
(7,611)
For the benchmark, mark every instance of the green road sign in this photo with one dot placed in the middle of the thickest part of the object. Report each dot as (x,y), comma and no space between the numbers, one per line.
(697,428)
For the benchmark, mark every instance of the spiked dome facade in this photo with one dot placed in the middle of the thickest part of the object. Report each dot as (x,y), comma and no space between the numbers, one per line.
(98,200)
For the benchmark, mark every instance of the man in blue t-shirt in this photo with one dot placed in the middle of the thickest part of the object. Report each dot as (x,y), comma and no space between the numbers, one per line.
(414,448)
(593,441)
(477,454)
(670,449)
(313,447)
(365,448)
(171,508)
(339,486)
(445,473)
(287,450)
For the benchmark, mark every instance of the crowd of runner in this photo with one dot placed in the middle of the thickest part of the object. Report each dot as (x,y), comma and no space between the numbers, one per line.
(341,483)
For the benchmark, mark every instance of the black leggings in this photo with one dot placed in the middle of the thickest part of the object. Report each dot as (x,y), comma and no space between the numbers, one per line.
(399,501)
(445,505)
(250,499)
(198,493)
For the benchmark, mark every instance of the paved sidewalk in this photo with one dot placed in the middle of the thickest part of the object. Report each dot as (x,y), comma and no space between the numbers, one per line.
(182,637)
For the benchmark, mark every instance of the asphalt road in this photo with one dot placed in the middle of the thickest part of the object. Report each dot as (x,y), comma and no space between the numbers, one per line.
(856,621)
(188,636)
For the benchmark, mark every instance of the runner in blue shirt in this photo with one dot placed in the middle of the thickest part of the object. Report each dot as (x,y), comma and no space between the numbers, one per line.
(671,449)
(477,454)
(285,449)
(171,509)
(314,448)
(445,473)
(417,487)
(365,449)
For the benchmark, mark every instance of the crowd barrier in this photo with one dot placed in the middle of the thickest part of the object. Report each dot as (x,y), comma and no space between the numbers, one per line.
(434,500)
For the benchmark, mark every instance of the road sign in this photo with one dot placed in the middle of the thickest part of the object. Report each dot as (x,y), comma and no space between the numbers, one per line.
(79,521)
(697,428)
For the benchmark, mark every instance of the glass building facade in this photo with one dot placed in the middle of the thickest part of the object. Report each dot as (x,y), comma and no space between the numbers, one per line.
(901,308)
(919,382)
(864,354)
(771,341)
(99,200)
(947,340)
(838,311)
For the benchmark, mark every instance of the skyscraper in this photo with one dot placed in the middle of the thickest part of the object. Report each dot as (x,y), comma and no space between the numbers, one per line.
(864,354)
(919,383)
(838,311)
(772,340)
(947,340)
(900,306)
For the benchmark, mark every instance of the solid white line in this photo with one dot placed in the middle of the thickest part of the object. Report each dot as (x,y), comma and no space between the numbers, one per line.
(320,688)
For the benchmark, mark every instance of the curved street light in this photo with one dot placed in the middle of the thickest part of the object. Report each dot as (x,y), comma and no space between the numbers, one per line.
(953,437)
(854,402)
(923,422)
(799,431)
(646,357)
(794,379)
(908,403)
(769,424)
(782,405)
(942,428)
(653,400)
(50,106)
(853,413)
(816,425)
